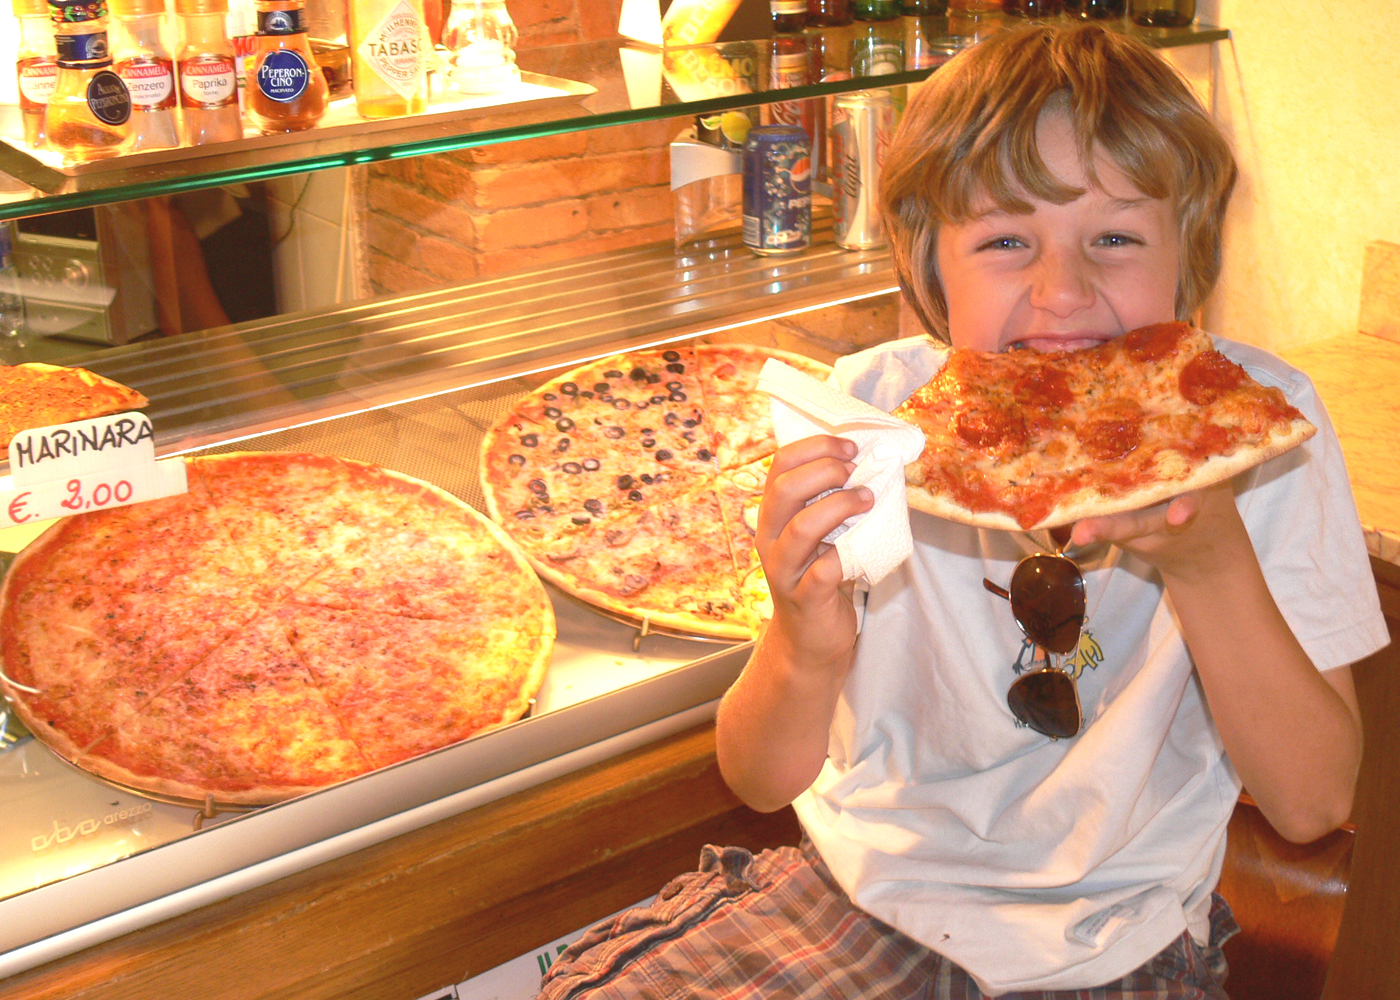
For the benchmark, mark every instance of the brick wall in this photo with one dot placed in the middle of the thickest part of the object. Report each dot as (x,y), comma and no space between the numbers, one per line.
(449,218)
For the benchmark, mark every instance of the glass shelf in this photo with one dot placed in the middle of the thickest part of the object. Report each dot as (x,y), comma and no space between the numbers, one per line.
(584,86)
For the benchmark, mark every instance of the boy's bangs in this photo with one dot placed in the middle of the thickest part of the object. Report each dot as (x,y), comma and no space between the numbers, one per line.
(1008,172)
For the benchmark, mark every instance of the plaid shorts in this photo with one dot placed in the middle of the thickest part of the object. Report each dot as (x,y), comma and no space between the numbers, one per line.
(778,926)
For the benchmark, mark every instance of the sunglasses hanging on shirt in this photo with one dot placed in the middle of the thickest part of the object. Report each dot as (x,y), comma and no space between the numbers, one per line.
(1048,603)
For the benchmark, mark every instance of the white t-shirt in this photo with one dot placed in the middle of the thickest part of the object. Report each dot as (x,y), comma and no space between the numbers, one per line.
(1042,864)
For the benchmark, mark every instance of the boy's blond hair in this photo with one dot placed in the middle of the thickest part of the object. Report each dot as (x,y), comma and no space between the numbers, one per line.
(971,133)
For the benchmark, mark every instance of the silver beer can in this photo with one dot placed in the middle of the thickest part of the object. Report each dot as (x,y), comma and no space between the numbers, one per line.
(861,125)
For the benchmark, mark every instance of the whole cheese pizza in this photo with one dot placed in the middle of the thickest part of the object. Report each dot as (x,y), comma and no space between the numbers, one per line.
(39,395)
(633,483)
(291,621)
(1028,440)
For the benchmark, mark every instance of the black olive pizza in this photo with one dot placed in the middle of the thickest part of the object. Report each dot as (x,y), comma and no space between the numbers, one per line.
(633,483)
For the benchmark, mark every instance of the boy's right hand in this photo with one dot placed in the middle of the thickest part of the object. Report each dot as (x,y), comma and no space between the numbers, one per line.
(813,616)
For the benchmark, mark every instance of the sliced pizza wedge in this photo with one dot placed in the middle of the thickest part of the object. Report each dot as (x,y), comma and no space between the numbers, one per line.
(39,395)
(404,686)
(248,725)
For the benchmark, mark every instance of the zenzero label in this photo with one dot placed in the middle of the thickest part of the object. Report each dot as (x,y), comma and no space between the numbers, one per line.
(151,83)
(208,82)
(108,98)
(283,75)
(394,49)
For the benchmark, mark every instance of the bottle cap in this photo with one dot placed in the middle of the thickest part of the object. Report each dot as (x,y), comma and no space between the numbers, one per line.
(137,8)
(28,8)
(76,11)
(201,6)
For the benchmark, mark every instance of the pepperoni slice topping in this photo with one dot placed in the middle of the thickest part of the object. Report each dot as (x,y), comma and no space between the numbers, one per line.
(1045,388)
(991,427)
(1155,342)
(1112,431)
(1208,376)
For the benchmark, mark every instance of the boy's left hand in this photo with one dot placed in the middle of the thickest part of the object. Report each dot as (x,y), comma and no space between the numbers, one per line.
(1188,535)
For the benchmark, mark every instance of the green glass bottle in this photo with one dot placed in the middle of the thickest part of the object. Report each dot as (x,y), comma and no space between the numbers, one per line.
(875,10)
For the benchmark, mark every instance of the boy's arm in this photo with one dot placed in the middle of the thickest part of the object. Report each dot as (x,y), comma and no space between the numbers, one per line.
(772,727)
(1293,734)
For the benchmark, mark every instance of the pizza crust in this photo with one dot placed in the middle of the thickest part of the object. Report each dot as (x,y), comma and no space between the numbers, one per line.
(1213,470)
(687,624)
(179,792)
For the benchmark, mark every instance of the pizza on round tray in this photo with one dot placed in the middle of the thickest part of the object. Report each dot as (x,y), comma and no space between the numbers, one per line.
(1024,440)
(291,621)
(633,483)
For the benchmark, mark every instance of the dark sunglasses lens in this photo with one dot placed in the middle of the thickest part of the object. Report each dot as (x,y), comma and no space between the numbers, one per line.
(1047,600)
(1046,701)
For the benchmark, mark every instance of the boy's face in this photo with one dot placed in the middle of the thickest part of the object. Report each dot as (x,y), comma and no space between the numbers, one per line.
(1063,276)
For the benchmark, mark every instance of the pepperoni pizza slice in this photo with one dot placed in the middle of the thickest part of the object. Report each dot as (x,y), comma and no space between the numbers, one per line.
(1028,440)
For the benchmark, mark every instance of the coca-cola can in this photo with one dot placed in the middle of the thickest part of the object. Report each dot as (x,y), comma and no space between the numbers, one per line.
(861,125)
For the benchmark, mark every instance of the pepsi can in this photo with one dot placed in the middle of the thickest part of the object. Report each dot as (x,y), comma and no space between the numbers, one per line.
(861,125)
(777,190)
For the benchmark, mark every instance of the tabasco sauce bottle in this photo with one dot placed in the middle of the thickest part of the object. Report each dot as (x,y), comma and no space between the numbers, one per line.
(389,49)
(286,89)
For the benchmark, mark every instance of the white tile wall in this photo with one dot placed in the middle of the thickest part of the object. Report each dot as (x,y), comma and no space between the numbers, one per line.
(312,265)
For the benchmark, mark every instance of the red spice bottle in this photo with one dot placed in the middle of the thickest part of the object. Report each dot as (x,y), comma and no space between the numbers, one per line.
(208,77)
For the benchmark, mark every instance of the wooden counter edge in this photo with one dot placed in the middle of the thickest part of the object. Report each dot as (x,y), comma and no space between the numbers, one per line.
(438,905)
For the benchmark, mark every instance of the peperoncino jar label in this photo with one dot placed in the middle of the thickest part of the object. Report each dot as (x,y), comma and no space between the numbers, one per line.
(151,82)
(108,98)
(36,79)
(394,50)
(281,22)
(283,75)
(75,50)
(208,82)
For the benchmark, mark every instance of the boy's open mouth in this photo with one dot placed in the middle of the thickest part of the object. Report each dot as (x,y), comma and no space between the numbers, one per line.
(1047,345)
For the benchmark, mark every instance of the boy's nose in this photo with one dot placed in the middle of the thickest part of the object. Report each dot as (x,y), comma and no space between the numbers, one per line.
(1062,283)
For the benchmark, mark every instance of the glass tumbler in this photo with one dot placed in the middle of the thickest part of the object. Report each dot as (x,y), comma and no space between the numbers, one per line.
(480,38)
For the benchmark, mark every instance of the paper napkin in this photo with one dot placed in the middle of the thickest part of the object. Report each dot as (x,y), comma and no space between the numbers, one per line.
(874,543)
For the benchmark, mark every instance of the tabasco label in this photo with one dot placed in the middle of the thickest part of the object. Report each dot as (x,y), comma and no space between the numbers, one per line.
(151,81)
(394,50)
(208,82)
(37,76)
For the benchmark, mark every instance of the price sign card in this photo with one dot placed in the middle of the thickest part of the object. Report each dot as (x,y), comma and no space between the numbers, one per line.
(86,465)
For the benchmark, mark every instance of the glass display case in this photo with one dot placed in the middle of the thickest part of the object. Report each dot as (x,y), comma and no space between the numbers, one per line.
(405,368)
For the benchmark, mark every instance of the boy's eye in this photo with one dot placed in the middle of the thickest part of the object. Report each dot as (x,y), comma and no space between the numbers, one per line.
(1002,243)
(1117,240)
